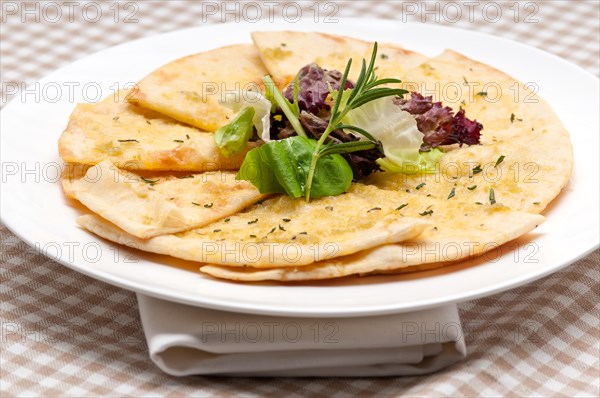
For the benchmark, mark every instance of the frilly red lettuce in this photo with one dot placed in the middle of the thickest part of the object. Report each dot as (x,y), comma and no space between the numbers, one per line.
(315,83)
(439,124)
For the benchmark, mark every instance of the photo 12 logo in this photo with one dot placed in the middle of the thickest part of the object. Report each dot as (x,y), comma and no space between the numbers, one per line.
(69,11)
(253,12)
(72,92)
(468,11)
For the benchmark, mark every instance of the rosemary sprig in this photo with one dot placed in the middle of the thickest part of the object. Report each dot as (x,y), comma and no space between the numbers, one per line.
(366,89)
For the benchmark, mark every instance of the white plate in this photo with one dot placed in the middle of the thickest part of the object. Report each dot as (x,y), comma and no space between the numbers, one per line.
(34,208)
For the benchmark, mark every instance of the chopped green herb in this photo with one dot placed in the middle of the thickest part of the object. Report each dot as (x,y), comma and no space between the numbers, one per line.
(208,205)
(281,228)
(482,94)
(492,196)
(513,118)
(500,159)
(303,233)
(196,204)
(402,206)
(477,169)
(253,236)
(472,187)
(150,181)
(216,230)
(272,230)
(536,203)
(253,221)
(226,220)
(426,213)
(283,44)
(187,176)
(373,209)
(451,194)
(421,185)
(129,140)
(148,122)
(177,140)
(465,80)
(384,56)
(330,208)
(115,118)
(187,136)
(286,220)
(478,203)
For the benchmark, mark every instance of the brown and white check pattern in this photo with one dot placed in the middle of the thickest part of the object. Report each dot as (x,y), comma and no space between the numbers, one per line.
(64,334)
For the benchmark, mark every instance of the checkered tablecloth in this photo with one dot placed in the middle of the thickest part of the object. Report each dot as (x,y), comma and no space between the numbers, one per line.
(64,334)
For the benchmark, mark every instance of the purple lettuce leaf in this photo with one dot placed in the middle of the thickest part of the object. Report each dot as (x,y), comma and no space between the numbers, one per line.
(439,124)
(314,83)
(465,131)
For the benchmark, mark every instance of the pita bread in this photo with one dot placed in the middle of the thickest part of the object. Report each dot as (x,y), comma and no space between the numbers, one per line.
(536,149)
(160,204)
(264,236)
(192,88)
(389,222)
(139,139)
(515,162)
(284,53)
(454,236)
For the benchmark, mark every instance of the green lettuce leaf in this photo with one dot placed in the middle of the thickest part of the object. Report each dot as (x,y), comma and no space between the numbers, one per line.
(426,163)
(239,100)
(282,167)
(398,133)
(232,138)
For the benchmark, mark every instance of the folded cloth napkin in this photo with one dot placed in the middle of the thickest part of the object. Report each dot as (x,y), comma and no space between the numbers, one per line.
(185,340)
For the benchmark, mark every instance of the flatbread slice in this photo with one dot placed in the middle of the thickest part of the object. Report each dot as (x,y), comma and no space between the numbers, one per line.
(285,52)
(139,139)
(160,204)
(484,231)
(192,89)
(281,232)
(525,156)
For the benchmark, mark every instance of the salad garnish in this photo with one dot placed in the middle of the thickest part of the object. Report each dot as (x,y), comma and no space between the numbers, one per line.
(324,131)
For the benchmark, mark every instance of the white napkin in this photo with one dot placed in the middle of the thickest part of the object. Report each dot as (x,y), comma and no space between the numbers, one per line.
(185,340)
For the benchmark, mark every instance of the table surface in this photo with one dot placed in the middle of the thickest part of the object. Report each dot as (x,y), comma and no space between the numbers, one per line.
(64,334)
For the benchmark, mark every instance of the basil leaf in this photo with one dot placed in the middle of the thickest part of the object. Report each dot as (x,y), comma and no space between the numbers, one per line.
(282,167)
(232,138)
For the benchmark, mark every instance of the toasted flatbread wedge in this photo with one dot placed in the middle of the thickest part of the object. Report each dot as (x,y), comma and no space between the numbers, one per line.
(281,232)
(192,89)
(139,139)
(480,232)
(285,52)
(525,156)
(160,204)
